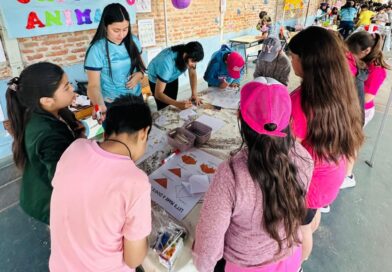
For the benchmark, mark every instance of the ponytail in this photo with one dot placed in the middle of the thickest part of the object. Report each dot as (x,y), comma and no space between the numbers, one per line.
(23,98)
(17,115)
(362,40)
(376,55)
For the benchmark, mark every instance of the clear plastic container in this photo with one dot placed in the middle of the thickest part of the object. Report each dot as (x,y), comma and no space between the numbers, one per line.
(200,130)
(180,138)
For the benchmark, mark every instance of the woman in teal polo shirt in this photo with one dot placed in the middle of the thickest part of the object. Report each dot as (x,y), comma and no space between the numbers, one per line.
(42,128)
(167,66)
(113,62)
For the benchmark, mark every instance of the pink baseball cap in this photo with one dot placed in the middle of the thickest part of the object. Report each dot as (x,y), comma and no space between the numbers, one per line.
(266,106)
(235,63)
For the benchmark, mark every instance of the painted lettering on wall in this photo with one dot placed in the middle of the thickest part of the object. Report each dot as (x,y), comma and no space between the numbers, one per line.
(26,18)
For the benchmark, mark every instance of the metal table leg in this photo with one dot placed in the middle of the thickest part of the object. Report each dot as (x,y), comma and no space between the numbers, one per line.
(380,131)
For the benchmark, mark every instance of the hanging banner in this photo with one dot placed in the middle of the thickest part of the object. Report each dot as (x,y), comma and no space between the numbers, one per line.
(27,18)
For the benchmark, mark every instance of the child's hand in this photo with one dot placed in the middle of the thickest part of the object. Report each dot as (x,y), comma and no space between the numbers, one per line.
(223,84)
(99,113)
(182,105)
(196,100)
(134,79)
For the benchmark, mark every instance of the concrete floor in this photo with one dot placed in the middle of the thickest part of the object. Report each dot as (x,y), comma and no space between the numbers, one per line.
(353,237)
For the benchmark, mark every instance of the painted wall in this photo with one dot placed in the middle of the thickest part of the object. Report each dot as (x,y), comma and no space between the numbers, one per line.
(198,22)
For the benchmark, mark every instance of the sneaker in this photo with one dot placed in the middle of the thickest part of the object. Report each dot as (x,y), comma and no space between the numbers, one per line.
(325,209)
(348,182)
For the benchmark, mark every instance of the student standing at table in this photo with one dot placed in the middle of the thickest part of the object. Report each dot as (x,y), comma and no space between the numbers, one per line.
(367,49)
(327,118)
(254,209)
(101,200)
(225,68)
(42,128)
(165,69)
(273,62)
(113,61)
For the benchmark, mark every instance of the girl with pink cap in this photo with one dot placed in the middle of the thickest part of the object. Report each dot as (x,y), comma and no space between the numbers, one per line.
(254,209)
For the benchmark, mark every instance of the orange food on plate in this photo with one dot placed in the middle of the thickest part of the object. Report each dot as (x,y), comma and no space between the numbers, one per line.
(206,169)
(162,182)
(176,171)
(188,159)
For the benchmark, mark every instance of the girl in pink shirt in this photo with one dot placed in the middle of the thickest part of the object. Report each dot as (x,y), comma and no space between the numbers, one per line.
(326,111)
(367,49)
(253,211)
(101,204)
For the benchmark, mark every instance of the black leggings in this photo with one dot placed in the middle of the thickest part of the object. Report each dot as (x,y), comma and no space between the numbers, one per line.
(171,90)
(220,266)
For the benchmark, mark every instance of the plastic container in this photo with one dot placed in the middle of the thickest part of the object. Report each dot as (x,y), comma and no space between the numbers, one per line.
(200,130)
(181,139)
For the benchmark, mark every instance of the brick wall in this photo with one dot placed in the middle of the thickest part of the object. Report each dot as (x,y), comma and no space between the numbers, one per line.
(199,20)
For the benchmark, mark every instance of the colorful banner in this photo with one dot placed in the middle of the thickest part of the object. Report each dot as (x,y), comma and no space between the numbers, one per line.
(27,18)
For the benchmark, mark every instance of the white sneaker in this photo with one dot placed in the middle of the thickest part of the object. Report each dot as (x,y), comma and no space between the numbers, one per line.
(349,182)
(325,209)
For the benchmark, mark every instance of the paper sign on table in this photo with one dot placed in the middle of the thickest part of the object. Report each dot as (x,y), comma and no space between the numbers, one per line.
(228,98)
(215,123)
(167,181)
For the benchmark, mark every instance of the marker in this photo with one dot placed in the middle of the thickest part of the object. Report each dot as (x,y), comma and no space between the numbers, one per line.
(171,156)
(97,112)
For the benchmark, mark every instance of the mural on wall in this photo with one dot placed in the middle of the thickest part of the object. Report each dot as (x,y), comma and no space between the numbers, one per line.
(27,18)
(293,5)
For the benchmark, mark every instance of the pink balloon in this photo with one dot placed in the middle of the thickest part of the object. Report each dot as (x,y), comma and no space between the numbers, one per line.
(131,2)
(181,4)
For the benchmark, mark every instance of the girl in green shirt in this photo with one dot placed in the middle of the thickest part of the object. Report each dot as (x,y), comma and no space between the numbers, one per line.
(42,127)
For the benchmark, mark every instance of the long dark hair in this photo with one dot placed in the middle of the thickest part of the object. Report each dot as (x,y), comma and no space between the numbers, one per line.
(328,95)
(270,166)
(23,97)
(193,51)
(114,13)
(362,40)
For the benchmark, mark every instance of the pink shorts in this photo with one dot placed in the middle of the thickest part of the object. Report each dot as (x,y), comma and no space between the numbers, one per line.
(290,264)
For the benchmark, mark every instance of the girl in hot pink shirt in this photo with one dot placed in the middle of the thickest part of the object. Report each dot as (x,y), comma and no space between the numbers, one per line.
(367,48)
(326,111)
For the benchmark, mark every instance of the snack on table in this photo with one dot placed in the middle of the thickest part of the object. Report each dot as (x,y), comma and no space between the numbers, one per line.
(188,159)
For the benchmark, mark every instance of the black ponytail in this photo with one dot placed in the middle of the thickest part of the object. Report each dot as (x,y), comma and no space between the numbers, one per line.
(192,50)
(23,97)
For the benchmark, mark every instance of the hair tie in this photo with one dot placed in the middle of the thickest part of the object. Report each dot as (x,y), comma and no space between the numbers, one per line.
(13,84)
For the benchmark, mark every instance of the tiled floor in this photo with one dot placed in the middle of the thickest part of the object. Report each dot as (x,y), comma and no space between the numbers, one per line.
(353,237)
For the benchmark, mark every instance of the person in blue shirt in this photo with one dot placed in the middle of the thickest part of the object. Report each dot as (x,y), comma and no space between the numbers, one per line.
(165,69)
(347,15)
(113,60)
(225,68)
